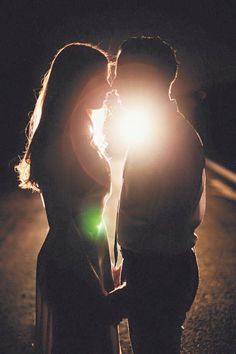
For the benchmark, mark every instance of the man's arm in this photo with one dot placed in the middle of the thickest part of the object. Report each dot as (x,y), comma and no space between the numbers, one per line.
(199,211)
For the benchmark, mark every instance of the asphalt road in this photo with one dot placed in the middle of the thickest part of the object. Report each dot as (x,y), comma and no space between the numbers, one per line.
(211,324)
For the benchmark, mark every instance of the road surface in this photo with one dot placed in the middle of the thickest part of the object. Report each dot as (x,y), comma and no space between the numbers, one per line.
(211,324)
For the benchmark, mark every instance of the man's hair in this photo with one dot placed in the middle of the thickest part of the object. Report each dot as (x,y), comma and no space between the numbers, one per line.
(151,50)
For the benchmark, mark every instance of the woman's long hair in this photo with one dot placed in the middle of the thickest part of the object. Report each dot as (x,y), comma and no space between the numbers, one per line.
(61,86)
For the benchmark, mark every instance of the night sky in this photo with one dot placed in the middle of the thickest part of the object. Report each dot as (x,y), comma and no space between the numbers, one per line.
(203,32)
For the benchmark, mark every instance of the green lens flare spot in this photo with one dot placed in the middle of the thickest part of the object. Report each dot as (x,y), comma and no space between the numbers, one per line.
(91,221)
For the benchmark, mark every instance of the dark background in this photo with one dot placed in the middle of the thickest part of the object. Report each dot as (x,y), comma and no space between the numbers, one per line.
(203,32)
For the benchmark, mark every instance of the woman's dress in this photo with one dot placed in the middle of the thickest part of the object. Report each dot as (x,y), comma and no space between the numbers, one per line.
(73,267)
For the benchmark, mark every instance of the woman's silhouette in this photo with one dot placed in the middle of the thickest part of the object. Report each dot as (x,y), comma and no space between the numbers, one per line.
(73,176)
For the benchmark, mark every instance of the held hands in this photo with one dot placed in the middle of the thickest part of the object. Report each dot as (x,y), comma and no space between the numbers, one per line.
(116,299)
(116,275)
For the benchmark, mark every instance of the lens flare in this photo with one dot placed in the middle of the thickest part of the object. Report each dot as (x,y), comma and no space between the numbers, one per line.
(91,221)
(135,125)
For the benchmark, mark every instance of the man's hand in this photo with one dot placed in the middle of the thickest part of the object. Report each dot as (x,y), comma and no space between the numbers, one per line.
(116,274)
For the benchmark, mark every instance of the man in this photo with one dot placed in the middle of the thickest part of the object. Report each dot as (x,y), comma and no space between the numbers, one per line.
(162,201)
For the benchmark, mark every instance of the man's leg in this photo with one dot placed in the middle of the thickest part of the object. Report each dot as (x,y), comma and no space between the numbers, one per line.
(161,291)
(162,336)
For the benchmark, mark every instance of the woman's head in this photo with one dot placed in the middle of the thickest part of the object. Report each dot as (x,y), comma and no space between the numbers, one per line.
(73,70)
(77,77)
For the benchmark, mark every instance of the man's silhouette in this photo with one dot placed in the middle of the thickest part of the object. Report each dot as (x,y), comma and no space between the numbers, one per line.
(162,201)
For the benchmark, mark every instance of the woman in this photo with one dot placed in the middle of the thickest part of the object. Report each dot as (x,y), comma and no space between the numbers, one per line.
(62,163)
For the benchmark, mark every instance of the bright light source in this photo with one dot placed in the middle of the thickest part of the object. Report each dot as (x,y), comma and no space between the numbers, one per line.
(135,125)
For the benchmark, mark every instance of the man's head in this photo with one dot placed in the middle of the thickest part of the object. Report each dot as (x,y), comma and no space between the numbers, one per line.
(145,65)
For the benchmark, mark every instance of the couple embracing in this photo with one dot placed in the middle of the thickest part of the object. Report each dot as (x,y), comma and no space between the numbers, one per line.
(162,202)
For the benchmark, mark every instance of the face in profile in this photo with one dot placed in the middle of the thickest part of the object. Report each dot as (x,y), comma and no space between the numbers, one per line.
(96,88)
